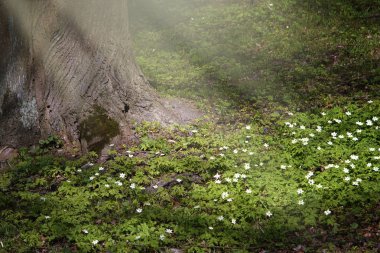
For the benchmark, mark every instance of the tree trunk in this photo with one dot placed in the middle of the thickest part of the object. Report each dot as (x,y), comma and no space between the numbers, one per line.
(67,69)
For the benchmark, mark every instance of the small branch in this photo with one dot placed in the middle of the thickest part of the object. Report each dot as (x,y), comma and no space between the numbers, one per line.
(10,166)
(369,17)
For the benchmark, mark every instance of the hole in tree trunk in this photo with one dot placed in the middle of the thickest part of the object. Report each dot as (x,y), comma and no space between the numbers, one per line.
(126,108)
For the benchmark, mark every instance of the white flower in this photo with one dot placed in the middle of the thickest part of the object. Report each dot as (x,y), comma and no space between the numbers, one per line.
(348,113)
(349,134)
(119,183)
(311,135)
(333,134)
(369,122)
(92,178)
(248,127)
(319,148)
(122,175)
(96,174)
(372,149)
(247,166)
(345,170)
(212,157)
(230,199)
(302,127)
(327,212)
(133,186)
(85,231)
(268,214)
(228,180)
(169,231)
(369,101)
(233,221)
(225,195)
(319,186)
(354,157)
(294,141)
(337,121)
(211,228)
(139,210)
(330,143)
(94,242)
(299,191)
(220,218)
(194,131)
(309,174)
(376,169)
(137,237)
(355,139)
(311,181)
(341,136)
(79,170)
(319,129)
(266,145)
(162,237)
(323,113)
(155,186)
(217,176)
(235,151)
(218,181)
(347,179)
(107,185)
(179,180)
(359,123)
(301,202)
(358,130)
(47,217)
(249,191)
(375,119)
(101,168)
(283,167)
(369,164)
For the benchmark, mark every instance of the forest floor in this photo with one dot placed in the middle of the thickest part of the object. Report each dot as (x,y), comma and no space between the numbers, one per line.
(285,157)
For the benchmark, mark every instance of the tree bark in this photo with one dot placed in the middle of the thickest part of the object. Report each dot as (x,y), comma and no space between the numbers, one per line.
(67,69)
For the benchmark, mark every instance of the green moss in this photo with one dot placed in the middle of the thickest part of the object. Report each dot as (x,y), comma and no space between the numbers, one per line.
(97,129)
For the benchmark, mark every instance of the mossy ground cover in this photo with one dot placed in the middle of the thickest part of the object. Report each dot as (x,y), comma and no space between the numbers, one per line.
(288,160)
